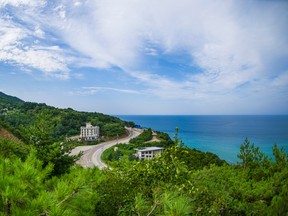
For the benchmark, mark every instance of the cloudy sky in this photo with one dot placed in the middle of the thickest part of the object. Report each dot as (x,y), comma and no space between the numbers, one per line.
(147,56)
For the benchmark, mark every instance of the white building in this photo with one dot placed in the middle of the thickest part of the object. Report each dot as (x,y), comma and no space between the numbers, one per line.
(90,132)
(148,153)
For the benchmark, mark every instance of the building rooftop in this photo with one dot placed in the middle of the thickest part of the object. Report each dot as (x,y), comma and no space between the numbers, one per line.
(150,149)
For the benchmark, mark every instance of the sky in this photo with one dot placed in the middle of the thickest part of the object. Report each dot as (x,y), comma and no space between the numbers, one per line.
(198,57)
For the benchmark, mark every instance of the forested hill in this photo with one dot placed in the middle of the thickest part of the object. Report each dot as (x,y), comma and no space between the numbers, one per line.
(38,176)
(7,98)
(9,102)
(16,114)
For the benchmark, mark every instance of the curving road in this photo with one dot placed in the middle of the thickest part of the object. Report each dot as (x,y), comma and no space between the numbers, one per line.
(92,154)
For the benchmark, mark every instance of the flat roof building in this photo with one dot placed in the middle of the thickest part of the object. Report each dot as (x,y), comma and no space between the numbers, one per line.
(89,132)
(149,152)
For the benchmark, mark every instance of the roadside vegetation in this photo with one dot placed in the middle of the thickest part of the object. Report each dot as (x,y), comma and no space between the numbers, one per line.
(120,150)
(38,177)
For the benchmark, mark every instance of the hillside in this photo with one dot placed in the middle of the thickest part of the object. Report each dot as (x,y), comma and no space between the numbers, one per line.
(18,114)
(9,99)
(6,134)
(8,102)
(39,177)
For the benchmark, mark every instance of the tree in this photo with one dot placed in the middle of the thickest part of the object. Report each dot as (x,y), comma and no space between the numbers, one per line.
(250,155)
(281,158)
(49,149)
(27,189)
(112,129)
(11,148)
(20,183)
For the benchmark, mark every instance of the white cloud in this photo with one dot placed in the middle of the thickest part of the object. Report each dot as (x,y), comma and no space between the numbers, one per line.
(232,42)
(77,3)
(39,32)
(97,89)
(10,35)
(19,46)
(60,10)
(50,63)
(229,47)
(17,3)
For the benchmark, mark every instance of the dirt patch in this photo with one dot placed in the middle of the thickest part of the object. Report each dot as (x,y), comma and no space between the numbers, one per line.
(6,134)
(154,138)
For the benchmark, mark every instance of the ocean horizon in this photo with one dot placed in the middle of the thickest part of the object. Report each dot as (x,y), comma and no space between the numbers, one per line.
(220,134)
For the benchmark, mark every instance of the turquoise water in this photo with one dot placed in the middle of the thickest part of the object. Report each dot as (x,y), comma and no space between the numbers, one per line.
(221,135)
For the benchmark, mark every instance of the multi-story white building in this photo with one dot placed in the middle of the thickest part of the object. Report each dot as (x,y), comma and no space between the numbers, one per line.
(90,132)
(148,153)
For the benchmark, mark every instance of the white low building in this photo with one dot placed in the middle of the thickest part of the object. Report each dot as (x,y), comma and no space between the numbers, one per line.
(149,152)
(89,132)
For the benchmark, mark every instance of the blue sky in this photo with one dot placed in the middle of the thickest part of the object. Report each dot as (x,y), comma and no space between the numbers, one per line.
(147,57)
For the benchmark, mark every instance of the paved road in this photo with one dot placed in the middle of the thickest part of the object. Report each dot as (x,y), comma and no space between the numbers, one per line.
(92,154)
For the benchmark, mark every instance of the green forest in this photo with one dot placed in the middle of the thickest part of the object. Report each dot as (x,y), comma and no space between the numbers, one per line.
(39,177)
(17,115)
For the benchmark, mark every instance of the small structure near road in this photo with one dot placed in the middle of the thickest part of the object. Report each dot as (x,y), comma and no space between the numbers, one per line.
(148,153)
(90,132)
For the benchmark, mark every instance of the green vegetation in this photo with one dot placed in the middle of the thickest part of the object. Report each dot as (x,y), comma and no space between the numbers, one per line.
(45,128)
(27,189)
(166,185)
(169,185)
(113,129)
(143,140)
(18,114)
(6,99)
(12,148)
(38,177)
(8,102)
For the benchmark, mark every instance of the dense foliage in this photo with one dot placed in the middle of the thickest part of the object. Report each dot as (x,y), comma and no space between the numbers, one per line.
(8,102)
(67,122)
(145,136)
(38,178)
(116,152)
(166,185)
(26,189)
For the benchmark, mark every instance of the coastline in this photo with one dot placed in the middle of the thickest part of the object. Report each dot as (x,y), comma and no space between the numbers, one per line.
(220,134)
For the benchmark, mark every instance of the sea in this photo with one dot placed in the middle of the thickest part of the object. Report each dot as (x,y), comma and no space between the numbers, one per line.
(220,134)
